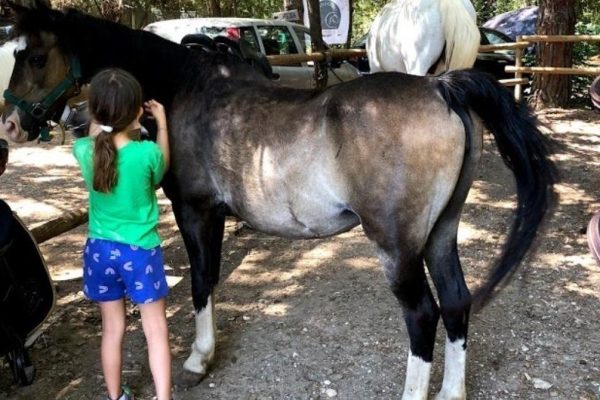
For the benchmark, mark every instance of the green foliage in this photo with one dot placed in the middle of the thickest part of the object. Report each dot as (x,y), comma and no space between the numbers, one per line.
(486,9)
(364,14)
(583,53)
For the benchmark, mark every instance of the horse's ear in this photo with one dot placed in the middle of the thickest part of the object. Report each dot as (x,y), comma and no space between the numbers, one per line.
(17,9)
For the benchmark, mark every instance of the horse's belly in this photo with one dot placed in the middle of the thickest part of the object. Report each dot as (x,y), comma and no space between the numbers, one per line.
(308,220)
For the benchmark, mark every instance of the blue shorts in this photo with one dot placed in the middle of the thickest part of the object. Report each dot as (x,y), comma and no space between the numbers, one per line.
(112,270)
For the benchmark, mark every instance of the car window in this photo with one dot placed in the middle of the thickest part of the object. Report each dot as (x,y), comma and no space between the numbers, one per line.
(492,38)
(305,40)
(213,31)
(247,34)
(277,40)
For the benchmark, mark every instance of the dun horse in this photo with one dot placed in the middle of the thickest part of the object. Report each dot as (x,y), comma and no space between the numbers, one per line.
(395,153)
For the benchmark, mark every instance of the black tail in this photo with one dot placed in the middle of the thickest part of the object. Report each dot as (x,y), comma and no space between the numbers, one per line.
(524,150)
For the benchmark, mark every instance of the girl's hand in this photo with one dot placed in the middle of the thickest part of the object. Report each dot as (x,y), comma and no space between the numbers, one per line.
(157,111)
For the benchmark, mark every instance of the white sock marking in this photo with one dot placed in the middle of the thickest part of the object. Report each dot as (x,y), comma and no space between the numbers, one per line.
(203,348)
(455,359)
(416,384)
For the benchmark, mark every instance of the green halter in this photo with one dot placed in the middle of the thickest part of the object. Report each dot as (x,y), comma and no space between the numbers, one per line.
(39,111)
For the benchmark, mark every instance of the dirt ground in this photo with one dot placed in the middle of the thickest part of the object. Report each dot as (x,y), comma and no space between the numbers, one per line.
(315,319)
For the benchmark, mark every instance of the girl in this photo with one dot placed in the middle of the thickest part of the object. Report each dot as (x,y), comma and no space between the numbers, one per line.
(122,254)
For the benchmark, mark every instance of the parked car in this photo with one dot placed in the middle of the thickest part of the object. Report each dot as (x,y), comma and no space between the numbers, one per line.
(495,62)
(269,37)
(492,63)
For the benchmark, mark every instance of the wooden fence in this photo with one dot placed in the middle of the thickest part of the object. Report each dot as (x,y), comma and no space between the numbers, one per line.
(526,41)
(519,70)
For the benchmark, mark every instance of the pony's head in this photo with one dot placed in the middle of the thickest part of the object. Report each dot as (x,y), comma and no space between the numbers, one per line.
(44,76)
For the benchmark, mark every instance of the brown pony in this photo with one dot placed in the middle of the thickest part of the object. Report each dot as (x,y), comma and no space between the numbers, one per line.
(393,152)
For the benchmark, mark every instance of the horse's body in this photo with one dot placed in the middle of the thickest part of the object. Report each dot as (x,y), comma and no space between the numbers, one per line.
(421,36)
(393,152)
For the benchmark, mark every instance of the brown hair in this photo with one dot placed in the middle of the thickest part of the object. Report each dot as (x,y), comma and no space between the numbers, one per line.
(115,99)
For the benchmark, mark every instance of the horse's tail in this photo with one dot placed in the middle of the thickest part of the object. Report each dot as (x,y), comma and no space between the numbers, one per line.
(461,33)
(524,150)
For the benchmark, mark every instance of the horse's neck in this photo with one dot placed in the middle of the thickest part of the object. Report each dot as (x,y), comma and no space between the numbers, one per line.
(158,65)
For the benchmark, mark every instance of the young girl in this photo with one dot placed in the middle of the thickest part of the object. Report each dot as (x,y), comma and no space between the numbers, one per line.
(122,254)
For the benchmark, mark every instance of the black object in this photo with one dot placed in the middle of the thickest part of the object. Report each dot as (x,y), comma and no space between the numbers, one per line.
(26,293)
(595,94)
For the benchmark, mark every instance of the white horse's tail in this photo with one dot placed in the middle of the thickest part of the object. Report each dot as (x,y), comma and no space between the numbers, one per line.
(462,35)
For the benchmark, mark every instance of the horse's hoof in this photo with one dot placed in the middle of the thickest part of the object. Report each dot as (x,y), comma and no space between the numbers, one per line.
(446,396)
(186,379)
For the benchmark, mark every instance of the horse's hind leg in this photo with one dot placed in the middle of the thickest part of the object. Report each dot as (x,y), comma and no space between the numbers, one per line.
(406,275)
(454,297)
(202,231)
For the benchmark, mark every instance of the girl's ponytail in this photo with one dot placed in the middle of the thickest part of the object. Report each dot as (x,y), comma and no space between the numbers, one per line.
(105,163)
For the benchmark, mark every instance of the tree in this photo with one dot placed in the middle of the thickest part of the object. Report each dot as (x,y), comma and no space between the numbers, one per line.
(111,9)
(556,17)
(318,45)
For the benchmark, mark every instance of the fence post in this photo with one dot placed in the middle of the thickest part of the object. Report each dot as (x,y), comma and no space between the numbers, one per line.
(518,74)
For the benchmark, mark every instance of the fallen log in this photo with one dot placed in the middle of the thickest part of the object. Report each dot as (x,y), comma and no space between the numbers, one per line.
(49,229)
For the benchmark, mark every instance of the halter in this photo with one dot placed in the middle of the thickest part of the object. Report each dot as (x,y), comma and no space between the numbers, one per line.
(39,111)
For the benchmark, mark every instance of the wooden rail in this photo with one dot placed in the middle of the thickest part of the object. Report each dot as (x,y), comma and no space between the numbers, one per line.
(518,81)
(519,69)
(292,59)
(555,70)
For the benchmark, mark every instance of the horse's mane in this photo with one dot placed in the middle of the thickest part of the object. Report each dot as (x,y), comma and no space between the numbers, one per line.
(161,66)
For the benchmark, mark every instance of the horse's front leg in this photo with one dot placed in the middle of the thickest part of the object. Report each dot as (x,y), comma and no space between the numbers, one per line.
(202,231)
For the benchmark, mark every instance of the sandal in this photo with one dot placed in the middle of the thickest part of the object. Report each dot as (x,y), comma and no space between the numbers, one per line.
(126,394)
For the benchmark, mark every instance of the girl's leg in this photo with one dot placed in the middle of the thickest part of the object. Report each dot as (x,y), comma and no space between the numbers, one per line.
(154,322)
(113,330)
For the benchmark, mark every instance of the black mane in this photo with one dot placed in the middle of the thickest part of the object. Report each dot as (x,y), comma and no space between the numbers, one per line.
(162,67)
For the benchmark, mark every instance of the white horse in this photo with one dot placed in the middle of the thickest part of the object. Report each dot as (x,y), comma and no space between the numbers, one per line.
(7,62)
(421,36)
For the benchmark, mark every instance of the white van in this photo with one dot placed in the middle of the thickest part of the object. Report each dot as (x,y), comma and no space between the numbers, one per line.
(270,37)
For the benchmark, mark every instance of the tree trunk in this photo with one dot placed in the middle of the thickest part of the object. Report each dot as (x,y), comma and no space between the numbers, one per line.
(351,8)
(215,8)
(314,17)
(556,17)
(57,226)
(111,9)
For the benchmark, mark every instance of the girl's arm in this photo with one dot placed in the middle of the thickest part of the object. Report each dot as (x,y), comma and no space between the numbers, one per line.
(162,134)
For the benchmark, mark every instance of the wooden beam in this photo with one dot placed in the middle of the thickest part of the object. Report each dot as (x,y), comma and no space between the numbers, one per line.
(488,48)
(554,70)
(514,81)
(49,229)
(561,38)
(291,59)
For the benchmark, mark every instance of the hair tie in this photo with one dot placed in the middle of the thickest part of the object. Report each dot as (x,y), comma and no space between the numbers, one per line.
(106,128)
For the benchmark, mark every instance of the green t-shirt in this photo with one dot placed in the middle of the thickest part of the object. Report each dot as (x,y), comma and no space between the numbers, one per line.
(129,213)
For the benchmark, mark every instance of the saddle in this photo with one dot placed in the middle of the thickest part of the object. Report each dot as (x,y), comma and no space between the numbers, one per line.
(27,294)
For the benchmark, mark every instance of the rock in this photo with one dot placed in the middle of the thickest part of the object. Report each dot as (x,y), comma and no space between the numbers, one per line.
(330,392)
(541,384)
